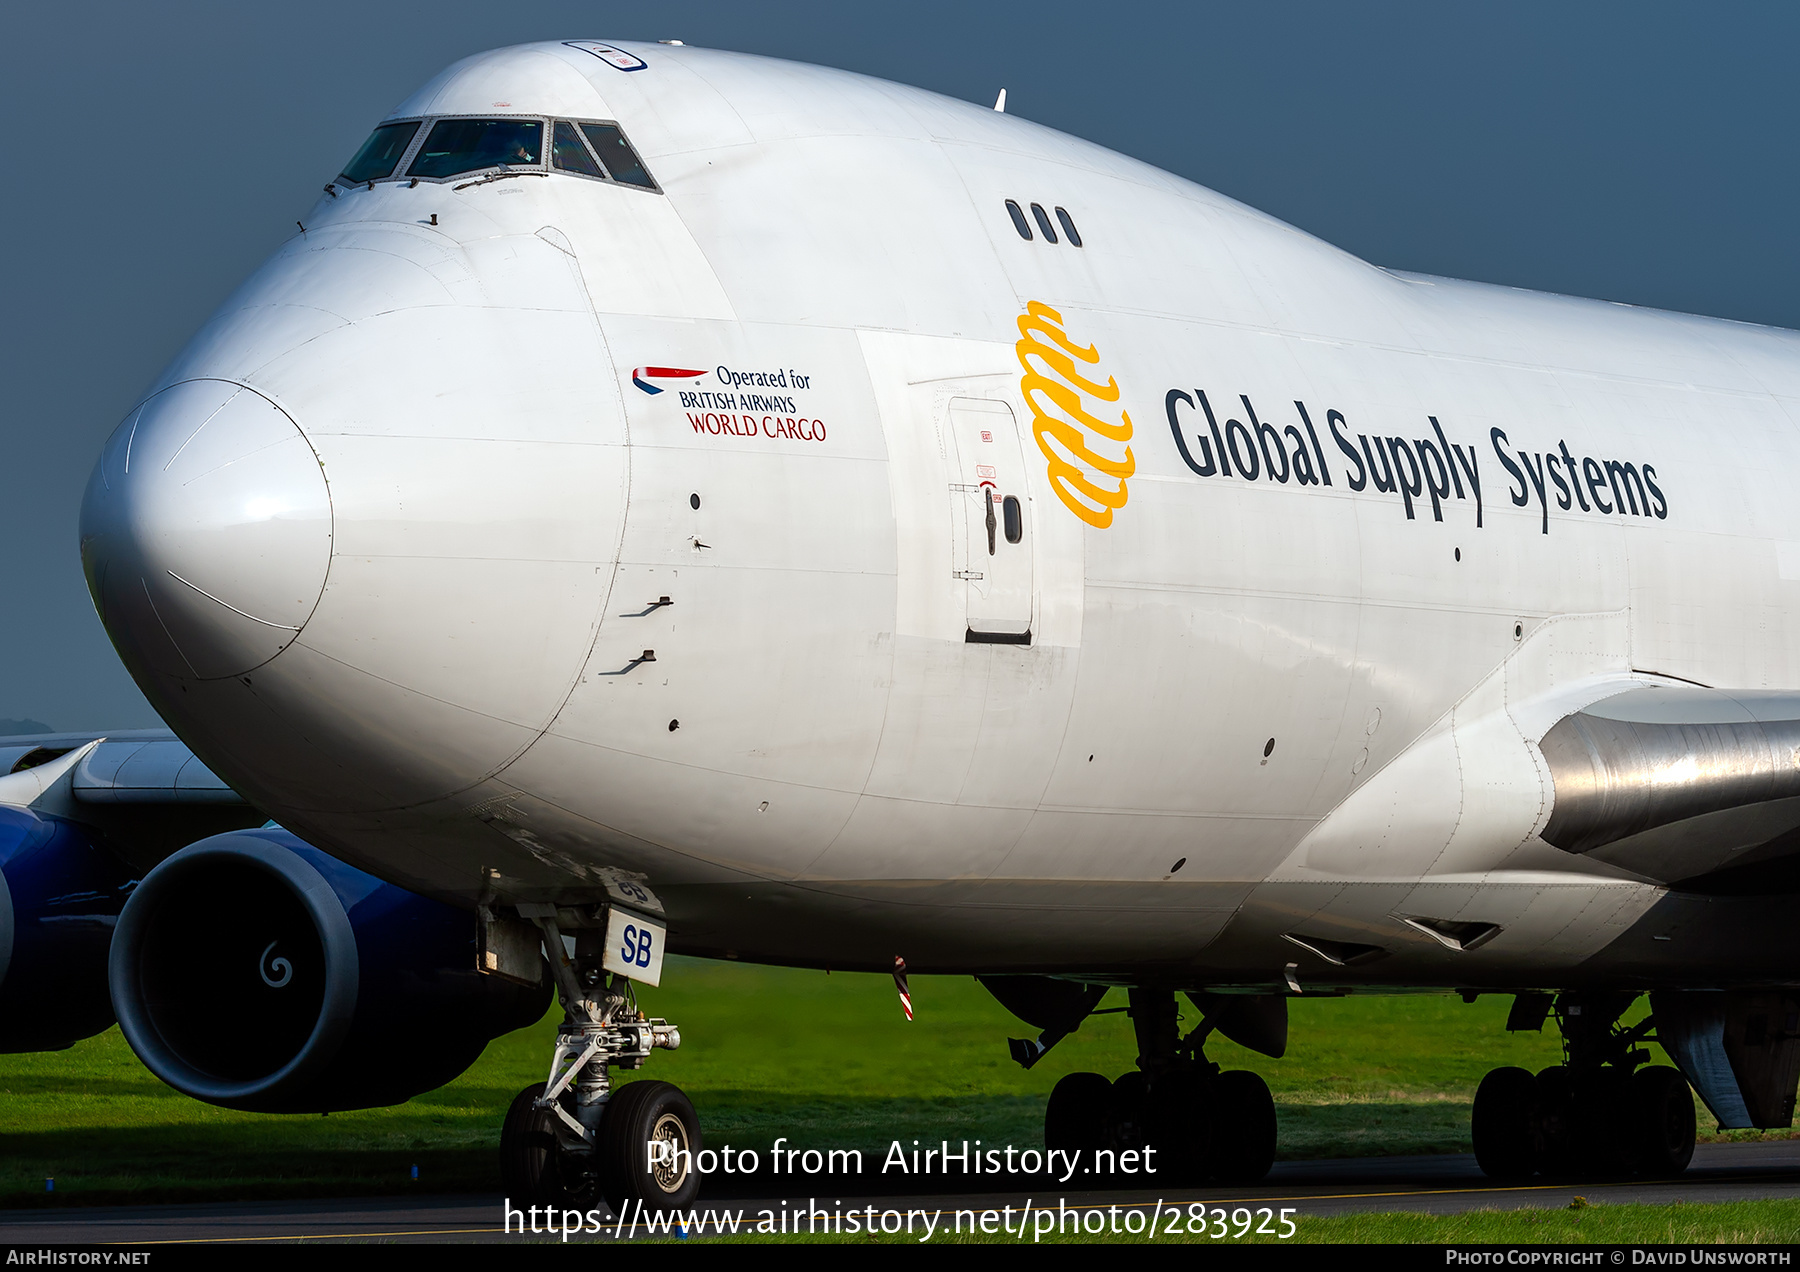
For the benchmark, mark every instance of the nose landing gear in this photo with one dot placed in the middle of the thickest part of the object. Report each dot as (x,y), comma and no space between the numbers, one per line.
(573,1140)
(1603,1112)
(1195,1121)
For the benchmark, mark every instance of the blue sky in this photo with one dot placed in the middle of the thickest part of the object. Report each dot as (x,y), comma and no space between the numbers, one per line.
(1640,152)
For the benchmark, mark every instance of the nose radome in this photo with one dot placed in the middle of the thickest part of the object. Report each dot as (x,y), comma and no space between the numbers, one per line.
(206,531)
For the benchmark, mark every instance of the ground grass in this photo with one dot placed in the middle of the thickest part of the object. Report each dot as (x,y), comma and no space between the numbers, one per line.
(1680,1224)
(826,1060)
(1729,1223)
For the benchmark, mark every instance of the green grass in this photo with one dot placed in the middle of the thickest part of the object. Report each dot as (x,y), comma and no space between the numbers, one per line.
(1730,1223)
(826,1060)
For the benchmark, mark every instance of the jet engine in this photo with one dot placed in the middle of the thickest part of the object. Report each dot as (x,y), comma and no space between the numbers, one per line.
(256,972)
(60,893)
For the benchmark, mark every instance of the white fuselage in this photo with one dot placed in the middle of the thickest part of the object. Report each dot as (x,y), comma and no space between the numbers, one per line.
(1321,701)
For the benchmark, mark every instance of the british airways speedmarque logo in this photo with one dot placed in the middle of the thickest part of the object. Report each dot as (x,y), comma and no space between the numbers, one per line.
(641,376)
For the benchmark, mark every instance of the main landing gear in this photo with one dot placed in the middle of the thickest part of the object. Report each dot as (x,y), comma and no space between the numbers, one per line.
(1201,1122)
(1603,1112)
(574,1141)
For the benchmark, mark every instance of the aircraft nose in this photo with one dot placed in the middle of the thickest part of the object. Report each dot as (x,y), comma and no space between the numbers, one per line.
(206,531)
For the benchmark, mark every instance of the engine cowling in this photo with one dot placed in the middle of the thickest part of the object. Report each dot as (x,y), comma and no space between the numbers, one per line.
(253,971)
(60,893)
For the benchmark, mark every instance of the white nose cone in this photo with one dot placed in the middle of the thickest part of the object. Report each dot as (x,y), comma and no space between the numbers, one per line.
(206,531)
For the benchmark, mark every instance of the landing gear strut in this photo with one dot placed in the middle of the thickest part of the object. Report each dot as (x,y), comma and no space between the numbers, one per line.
(1603,1112)
(573,1140)
(1201,1122)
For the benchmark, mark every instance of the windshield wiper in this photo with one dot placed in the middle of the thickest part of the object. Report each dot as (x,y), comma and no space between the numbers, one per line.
(496,176)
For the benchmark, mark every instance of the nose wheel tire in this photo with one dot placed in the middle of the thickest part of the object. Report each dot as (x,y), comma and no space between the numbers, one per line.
(534,1169)
(648,1140)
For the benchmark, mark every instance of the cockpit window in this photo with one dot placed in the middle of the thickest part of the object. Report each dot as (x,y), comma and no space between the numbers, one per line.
(456,146)
(621,161)
(452,147)
(380,153)
(568,153)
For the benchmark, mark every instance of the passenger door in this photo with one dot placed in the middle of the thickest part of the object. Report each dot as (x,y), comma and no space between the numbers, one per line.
(991,520)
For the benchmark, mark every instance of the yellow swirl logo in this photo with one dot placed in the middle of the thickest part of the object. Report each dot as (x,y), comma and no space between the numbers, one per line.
(1089,458)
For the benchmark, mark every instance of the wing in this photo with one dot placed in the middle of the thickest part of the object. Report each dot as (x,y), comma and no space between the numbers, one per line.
(141,789)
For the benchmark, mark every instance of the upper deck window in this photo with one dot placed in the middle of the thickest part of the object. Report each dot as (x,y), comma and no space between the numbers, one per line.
(380,153)
(456,146)
(621,161)
(1068,224)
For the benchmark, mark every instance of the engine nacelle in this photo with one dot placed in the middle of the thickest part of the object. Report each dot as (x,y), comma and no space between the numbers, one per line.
(253,971)
(60,893)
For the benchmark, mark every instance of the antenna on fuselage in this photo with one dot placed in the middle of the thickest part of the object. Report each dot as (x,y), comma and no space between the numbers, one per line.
(1000,102)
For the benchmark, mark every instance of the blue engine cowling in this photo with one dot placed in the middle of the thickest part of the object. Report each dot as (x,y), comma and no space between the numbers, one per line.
(253,971)
(60,893)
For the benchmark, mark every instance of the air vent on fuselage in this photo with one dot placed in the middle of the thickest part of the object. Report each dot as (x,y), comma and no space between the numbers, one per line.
(1457,936)
(1337,953)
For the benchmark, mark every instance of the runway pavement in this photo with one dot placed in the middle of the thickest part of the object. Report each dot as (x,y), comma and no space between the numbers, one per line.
(1436,1185)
